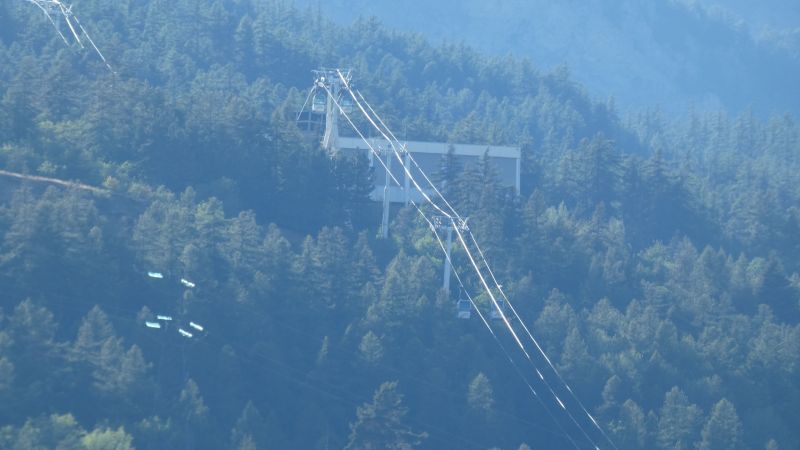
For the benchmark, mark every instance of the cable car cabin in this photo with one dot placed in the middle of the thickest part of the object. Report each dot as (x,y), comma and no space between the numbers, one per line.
(464,309)
(318,103)
(494,314)
(347,105)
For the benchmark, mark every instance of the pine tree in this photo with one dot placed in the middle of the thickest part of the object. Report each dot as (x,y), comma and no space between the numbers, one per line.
(249,430)
(192,416)
(107,439)
(575,359)
(612,392)
(32,333)
(447,175)
(20,101)
(723,430)
(380,424)
(322,354)
(192,407)
(630,430)
(370,348)
(679,421)
(94,331)
(6,374)
(117,372)
(480,396)
(597,171)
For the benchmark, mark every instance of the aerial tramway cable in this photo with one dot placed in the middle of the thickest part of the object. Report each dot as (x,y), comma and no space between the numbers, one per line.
(453,216)
(539,347)
(91,41)
(491,273)
(461,284)
(50,18)
(48,6)
(308,97)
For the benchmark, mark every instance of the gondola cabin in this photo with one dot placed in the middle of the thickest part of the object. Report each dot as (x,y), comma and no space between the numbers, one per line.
(318,103)
(464,309)
(347,105)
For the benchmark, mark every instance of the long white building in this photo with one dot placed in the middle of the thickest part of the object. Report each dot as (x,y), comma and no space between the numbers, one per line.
(327,105)
(429,156)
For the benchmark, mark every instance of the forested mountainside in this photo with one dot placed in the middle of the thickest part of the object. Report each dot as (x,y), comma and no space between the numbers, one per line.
(657,261)
(768,14)
(673,54)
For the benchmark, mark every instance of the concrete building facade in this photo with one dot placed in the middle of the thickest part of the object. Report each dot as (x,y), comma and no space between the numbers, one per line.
(429,156)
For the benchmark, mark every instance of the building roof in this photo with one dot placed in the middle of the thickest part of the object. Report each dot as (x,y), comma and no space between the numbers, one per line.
(495,151)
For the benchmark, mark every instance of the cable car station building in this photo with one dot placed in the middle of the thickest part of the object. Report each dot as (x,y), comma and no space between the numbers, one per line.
(329,105)
(429,156)
(397,173)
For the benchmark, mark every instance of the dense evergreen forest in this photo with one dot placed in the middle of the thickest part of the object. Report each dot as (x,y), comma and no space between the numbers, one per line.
(657,259)
(706,54)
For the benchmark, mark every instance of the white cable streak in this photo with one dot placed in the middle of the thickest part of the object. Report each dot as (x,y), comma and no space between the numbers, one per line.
(383,130)
(93,45)
(458,277)
(514,334)
(489,291)
(536,343)
(482,256)
(66,12)
(494,335)
(50,18)
(411,158)
(391,143)
(491,273)
(303,108)
(372,149)
(472,302)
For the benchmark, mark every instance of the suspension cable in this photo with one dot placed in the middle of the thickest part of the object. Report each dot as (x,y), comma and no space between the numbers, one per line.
(386,133)
(461,284)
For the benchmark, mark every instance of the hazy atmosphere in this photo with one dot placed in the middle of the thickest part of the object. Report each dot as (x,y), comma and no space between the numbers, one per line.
(363,225)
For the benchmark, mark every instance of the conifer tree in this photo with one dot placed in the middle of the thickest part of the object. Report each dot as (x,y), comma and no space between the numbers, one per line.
(380,424)
(94,331)
(722,430)
(679,421)
(480,396)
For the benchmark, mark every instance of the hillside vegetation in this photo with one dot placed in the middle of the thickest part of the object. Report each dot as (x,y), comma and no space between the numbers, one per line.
(673,54)
(657,261)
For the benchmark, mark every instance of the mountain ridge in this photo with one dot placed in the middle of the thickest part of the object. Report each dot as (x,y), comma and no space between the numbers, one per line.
(665,54)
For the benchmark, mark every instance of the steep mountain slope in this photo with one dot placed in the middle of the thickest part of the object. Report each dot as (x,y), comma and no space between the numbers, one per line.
(665,53)
(656,261)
